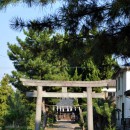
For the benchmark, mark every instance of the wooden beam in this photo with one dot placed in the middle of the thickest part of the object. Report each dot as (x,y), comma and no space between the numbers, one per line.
(65,95)
(101,83)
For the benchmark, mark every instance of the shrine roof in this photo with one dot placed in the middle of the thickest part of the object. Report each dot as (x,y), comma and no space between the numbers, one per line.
(65,102)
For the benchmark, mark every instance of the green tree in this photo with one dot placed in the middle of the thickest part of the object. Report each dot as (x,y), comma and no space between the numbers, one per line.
(18,111)
(106,114)
(6,91)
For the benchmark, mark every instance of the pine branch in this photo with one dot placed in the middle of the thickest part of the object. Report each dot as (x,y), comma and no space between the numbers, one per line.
(17,24)
(50,23)
(29,3)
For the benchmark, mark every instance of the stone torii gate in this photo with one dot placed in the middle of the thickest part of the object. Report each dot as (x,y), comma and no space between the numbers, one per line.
(89,94)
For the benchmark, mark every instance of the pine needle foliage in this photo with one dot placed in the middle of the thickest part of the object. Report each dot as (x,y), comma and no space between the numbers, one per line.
(111,18)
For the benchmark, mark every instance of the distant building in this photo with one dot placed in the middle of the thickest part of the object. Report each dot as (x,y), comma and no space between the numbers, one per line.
(122,100)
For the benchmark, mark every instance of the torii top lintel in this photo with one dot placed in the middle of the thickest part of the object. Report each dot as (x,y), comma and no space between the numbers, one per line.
(101,83)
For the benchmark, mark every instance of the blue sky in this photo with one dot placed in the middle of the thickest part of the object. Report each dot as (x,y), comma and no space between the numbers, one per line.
(9,35)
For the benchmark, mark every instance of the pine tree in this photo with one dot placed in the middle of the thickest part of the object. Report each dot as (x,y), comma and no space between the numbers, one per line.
(111,18)
(38,57)
(105,111)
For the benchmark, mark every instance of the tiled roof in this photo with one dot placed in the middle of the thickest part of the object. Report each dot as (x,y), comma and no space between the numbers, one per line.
(65,102)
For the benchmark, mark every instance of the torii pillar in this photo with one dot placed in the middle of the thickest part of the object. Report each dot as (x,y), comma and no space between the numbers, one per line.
(89,108)
(38,108)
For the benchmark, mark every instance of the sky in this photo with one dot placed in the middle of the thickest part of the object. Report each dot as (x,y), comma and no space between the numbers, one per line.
(9,35)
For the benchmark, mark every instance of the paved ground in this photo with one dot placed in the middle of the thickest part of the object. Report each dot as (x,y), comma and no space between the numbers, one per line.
(65,125)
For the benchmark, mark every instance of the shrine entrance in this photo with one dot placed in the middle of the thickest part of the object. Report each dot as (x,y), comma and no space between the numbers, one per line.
(40,94)
(65,109)
(62,116)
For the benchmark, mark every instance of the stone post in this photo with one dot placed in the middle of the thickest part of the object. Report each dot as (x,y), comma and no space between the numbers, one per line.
(38,108)
(44,113)
(89,108)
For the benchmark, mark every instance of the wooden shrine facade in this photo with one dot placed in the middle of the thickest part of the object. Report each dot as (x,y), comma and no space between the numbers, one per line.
(40,94)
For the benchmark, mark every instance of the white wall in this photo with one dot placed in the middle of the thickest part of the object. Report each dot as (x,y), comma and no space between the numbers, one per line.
(128,80)
(120,89)
(127,100)
(120,97)
(122,83)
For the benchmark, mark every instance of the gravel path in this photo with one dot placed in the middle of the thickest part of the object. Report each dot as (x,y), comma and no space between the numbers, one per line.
(65,125)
